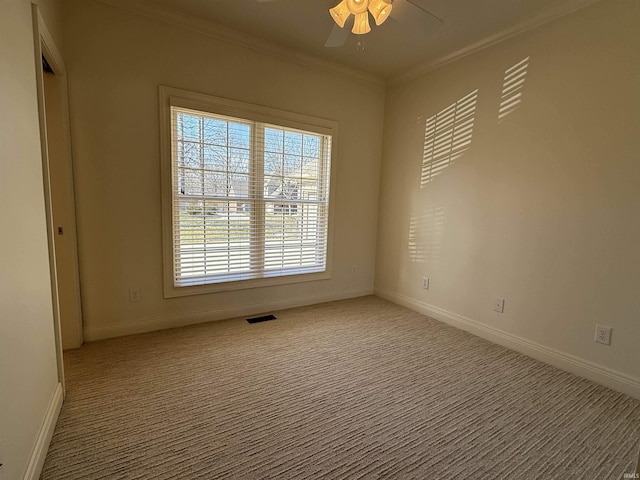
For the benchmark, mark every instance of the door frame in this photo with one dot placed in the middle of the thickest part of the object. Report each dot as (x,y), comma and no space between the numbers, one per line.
(44,46)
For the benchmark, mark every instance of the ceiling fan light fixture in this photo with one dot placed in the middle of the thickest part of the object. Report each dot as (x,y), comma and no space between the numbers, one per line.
(380,10)
(340,13)
(361,24)
(357,6)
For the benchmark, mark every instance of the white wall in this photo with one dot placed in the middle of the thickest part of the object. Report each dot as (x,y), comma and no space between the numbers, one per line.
(115,60)
(28,374)
(542,210)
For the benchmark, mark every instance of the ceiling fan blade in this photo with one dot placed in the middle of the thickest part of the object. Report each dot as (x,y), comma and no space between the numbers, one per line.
(414,22)
(404,10)
(337,37)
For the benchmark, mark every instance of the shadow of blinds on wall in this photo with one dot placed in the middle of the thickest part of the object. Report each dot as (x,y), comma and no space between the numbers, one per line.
(447,136)
(425,235)
(512,88)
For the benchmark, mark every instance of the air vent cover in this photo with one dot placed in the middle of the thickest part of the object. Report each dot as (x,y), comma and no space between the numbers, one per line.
(265,318)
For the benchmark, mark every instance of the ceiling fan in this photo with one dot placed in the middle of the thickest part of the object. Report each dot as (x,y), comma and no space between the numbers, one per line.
(396,10)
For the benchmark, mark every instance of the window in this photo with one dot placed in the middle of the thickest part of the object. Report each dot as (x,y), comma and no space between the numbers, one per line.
(246,194)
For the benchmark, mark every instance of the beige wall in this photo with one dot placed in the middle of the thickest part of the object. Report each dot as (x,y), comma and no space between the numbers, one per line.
(28,374)
(542,210)
(116,59)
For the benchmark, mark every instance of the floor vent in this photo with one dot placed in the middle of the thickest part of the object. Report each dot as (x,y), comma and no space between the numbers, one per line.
(266,318)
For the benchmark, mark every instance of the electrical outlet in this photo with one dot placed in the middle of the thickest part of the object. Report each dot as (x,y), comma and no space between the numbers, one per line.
(134,295)
(603,335)
(498,305)
(425,283)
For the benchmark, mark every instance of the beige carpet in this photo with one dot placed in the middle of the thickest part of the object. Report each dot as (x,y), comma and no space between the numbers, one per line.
(353,389)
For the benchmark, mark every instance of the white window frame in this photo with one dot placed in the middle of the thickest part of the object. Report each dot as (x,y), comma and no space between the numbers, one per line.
(173,97)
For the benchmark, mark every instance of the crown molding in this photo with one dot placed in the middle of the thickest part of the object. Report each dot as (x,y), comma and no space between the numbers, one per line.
(240,39)
(545,16)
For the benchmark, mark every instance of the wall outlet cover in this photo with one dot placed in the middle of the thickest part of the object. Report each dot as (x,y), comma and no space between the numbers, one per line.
(603,334)
(134,295)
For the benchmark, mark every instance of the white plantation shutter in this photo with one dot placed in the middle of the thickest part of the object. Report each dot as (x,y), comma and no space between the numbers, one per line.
(249,199)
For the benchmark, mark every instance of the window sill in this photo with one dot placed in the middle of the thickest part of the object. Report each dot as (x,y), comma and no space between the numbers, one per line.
(171,291)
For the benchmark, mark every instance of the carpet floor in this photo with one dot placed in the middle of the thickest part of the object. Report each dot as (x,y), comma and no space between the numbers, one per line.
(353,389)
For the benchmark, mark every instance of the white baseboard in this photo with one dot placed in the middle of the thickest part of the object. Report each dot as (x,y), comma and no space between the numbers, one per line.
(153,324)
(34,468)
(610,378)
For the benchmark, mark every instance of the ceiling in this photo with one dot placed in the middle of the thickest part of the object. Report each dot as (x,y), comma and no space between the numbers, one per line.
(408,39)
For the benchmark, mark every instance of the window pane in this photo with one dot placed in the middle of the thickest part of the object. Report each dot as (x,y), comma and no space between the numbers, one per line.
(273,187)
(190,154)
(292,165)
(215,183)
(311,146)
(239,135)
(238,160)
(239,185)
(273,163)
(310,170)
(189,127)
(215,131)
(215,158)
(293,143)
(273,140)
(191,182)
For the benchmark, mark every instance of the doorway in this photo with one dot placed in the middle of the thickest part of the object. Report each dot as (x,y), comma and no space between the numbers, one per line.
(59,190)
